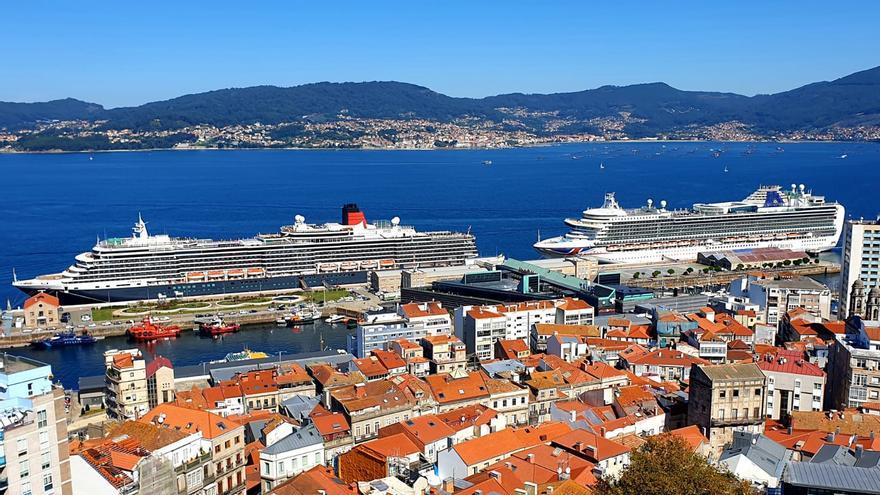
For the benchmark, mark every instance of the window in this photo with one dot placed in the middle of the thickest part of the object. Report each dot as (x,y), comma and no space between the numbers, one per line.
(757,392)
(736,392)
(47,482)
(817,387)
(194,478)
(44,439)
(45,461)
(721,414)
(734,413)
(317,458)
(722,394)
(42,419)
(22,446)
(757,412)
(24,469)
(26,488)
(267,468)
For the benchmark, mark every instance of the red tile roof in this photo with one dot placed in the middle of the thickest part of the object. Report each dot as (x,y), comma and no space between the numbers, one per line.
(159,362)
(189,420)
(582,441)
(786,364)
(41,297)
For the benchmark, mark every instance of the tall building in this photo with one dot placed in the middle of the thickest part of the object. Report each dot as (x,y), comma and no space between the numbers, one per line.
(725,398)
(775,297)
(854,365)
(861,262)
(34,455)
(126,384)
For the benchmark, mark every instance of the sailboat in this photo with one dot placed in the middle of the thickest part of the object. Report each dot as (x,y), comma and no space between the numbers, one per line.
(601,165)
(725,169)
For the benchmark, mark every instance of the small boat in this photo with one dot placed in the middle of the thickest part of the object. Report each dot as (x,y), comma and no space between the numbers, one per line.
(148,331)
(487,162)
(725,169)
(328,267)
(369,265)
(281,322)
(335,319)
(235,273)
(218,327)
(65,339)
(216,275)
(386,263)
(245,355)
(195,276)
(843,156)
(602,166)
(349,265)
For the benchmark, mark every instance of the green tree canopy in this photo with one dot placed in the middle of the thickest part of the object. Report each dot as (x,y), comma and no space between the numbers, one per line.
(666,465)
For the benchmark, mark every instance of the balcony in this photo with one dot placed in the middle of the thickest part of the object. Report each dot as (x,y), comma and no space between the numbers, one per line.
(190,465)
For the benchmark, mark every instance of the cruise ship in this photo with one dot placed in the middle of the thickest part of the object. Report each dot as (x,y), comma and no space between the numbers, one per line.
(769,217)
(302,255)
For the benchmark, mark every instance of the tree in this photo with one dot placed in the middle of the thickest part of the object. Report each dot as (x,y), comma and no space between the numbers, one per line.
(671,271)
(655,274)
(689,270)
(666,465)
(636,275)
(740,266)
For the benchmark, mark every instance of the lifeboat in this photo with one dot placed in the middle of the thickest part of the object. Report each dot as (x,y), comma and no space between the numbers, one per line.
(255,272)
(195,276)
(236,273)
(328,267)
(215,275)
(147,331)
(218,327)
(369,265)
(386,263)
(348,265)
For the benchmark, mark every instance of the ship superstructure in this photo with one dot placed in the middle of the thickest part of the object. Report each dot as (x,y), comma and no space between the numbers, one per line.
(769,217)
(301,255)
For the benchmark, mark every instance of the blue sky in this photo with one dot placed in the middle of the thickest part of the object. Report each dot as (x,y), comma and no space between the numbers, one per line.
(128,53)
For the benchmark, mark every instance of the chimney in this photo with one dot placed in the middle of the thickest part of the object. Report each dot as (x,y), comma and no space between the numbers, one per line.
(602,431)
(790,429)
(496,475)
(530,458)
(831,436)
(448,485)
(859,451)
(478,492)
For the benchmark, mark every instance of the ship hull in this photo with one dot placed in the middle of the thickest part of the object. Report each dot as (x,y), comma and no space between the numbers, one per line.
(69,296)
(686,253)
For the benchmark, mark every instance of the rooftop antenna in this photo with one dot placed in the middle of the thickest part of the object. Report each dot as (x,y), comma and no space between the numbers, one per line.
(14,277)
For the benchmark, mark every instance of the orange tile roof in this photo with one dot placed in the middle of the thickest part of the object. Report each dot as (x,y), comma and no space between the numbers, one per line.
(416,310)
(370,366)
(788,362)
(329,424)
(189,420)
(41,297)
(421,429)
(603,371)
(480,449)
(123,360)
(388,359)
(392,446)
(479,313)
(571,304)
(576,330)
(148,436)
(319,479)
(668,357)
(579,440)
(469,416)
(691,435)
(382,394)
(329,376)
(447,389)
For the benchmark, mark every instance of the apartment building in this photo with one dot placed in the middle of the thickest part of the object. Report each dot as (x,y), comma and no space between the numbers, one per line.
(160,381)
(127,395)
(775,297)
(33,430)
(861,262)
(793,384)
(445,353)
(854,365)
(224,439)
(725,398)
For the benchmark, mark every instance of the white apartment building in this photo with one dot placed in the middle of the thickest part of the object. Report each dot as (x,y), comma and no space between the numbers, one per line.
(861,261)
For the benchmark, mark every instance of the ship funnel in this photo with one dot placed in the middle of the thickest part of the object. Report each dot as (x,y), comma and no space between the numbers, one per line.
(663,203)
(650,202)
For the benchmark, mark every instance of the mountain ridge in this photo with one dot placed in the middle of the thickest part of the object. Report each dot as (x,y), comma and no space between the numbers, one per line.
(649,109)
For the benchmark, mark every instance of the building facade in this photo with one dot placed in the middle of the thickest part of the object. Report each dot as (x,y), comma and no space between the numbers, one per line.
(127,396)
(725,398)
(34,454)
(861,262)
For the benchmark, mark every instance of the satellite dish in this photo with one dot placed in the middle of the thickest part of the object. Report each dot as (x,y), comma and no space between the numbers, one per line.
(299,219)
(663,203)
(650,202)
(395,221)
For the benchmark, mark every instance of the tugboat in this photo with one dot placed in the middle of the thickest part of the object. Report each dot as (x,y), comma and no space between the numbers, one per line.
(218,327)
(148,331)
(64,339)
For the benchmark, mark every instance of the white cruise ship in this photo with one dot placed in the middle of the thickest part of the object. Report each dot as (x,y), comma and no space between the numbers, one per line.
(770,217)
(144,266)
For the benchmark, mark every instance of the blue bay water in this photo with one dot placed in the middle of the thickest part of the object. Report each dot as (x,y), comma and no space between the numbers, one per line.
(55,205)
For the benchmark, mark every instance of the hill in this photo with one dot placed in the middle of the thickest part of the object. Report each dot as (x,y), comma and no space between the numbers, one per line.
(651,108)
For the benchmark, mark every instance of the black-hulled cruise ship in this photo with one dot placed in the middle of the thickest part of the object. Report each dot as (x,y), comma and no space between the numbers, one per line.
(144,266)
